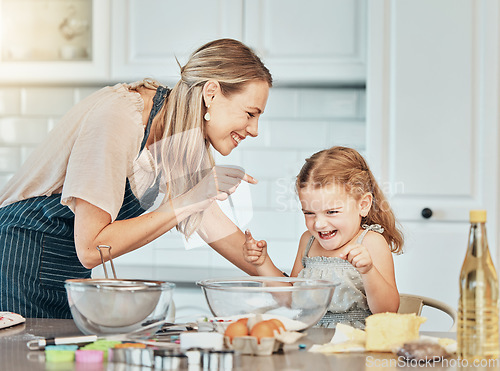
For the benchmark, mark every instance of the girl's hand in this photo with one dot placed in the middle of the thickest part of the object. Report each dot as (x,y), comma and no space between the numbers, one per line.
(358,256)
(255,252)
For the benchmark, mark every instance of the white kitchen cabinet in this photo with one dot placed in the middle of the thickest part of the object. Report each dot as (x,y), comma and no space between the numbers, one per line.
(54,41)
(147,36)
(433,135)
(315,41)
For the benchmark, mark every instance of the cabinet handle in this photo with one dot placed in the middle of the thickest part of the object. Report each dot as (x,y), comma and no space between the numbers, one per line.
(426,213)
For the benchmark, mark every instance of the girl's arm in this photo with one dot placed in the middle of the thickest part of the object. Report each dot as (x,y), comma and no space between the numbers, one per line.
(380,282)
(373,259)
(297,265)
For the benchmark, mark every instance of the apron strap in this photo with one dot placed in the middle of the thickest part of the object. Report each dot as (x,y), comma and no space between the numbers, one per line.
(158,100)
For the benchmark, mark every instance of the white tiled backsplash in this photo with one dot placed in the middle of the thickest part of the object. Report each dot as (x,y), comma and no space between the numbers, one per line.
(297,122)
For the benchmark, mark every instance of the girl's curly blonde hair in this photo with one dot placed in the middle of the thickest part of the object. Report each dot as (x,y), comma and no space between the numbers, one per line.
(345,166)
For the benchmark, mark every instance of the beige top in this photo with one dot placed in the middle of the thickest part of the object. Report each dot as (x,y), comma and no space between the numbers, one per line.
(90,153)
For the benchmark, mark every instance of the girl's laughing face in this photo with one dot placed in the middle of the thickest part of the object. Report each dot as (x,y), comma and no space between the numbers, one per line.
(332,215)
(235,117)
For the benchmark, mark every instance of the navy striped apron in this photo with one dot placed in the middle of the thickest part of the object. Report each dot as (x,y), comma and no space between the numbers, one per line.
(37,248)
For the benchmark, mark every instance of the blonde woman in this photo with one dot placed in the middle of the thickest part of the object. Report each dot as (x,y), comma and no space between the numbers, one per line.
(104,164)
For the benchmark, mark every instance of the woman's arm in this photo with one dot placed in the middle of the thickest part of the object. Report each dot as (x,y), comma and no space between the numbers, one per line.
(225,237)
(93,225)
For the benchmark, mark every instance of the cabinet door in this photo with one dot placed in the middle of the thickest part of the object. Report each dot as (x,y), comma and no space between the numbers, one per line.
(54,41)
(313,41)
(148,36)
(432,116)
(432,119)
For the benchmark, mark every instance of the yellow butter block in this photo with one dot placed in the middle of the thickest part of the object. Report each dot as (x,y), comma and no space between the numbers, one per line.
(344,333)
(384,331)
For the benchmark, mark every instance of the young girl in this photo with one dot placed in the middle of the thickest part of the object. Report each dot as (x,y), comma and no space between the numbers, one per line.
(351,232)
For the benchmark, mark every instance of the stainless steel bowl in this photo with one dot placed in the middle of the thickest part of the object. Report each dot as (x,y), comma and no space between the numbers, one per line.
(298,302)
(112,306)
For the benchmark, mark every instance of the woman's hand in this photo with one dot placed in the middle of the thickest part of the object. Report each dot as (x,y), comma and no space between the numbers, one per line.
(255,252)
(218,184)
(359,256)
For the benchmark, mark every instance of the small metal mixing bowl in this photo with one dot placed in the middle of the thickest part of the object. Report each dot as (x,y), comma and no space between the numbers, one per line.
(116,306)
(113,306)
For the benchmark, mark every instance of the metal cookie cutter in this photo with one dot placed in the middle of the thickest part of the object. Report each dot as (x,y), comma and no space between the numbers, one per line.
(169,359)
(215,360)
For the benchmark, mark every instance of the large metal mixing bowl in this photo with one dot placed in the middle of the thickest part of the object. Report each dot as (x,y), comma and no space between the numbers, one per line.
(299,302)
(113,306)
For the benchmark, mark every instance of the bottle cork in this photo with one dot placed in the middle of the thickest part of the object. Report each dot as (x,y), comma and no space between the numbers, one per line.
(477,216)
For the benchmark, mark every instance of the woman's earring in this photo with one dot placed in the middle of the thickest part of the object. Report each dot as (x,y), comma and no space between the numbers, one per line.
(207,115)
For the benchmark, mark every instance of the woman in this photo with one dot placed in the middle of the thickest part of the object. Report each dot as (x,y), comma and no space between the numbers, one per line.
(104,164)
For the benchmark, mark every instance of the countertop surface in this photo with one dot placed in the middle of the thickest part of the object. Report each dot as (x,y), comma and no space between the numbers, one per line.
(14,354)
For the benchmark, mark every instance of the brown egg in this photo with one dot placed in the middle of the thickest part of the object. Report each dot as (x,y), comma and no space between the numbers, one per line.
(243,320)
(278,323)
(263,329)
(235,329)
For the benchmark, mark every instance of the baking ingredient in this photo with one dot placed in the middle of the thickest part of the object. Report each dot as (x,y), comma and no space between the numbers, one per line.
(349,336)
(422,351)
(273,325)
(278,323)
(243,320)
(345,339)
(238,328)
(385,331)
(263,329)
(290,324)
(477,331)
(349,339)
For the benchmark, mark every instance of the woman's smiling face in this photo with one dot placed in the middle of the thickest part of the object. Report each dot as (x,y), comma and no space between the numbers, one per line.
(236,116)
(332,215)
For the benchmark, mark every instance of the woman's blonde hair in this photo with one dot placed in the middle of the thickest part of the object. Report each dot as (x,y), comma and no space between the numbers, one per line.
(346,167)
(185,151)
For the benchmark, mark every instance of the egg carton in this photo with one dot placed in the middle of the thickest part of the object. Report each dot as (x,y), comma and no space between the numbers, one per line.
(250,345)
(267,345)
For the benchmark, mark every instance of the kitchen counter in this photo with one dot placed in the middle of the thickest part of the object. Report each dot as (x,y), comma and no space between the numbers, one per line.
(14,354)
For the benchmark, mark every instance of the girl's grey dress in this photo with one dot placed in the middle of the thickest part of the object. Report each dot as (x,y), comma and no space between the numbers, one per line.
(349,304)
